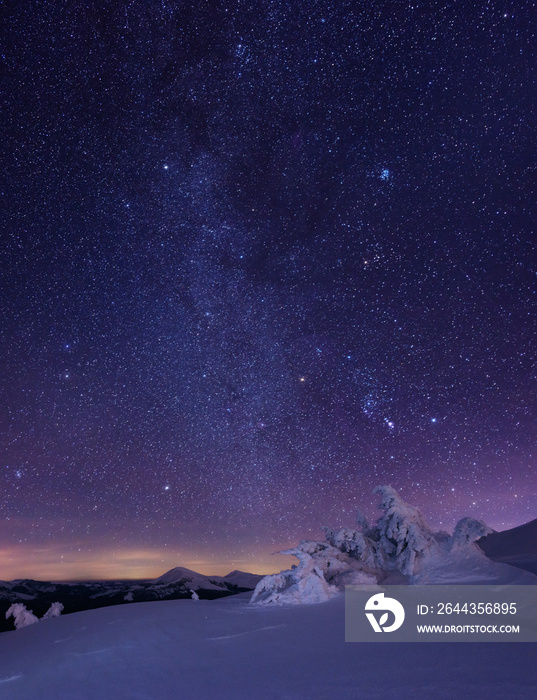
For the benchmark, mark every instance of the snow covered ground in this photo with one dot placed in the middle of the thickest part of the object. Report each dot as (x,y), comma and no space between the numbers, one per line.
(227,649)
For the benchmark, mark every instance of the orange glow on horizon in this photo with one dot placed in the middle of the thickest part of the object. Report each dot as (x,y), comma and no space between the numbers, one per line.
(55,563)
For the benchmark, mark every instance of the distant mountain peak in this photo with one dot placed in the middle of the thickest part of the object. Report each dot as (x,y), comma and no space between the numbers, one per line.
(241,579)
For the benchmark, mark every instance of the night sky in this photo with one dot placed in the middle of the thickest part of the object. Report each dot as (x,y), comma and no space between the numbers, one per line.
(257,258)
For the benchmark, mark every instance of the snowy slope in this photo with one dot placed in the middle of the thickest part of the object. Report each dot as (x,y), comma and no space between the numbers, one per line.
(229,650)
(517,546)
(471,566)
(242,579)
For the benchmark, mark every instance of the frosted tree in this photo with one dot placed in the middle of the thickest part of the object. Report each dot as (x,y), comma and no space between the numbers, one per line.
(353,543)
(22,616)
(194,595)
(321,573)
(401,541)
(405,538)
(467,532)
(304,583)
(361,521)
(55,610)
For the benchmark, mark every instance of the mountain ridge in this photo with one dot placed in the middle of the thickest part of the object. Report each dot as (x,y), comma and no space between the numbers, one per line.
(77,596)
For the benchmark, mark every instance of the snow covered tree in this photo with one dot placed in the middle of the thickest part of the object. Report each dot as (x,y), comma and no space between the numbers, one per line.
(353,543)
(405,538)
(22,616)
(194,595)
(321,573)
(401,541)
(361,521)
(304,583)
(467,532)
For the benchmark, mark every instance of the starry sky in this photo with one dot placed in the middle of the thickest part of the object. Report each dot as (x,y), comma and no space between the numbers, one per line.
(257,258)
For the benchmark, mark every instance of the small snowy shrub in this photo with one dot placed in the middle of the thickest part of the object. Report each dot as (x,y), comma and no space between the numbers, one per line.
(194,596)
(55,610)
(23,617)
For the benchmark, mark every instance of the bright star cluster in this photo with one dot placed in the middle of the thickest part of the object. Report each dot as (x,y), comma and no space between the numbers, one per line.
(257,259)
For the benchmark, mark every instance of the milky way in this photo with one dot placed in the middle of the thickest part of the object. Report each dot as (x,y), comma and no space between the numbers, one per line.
(257,259)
